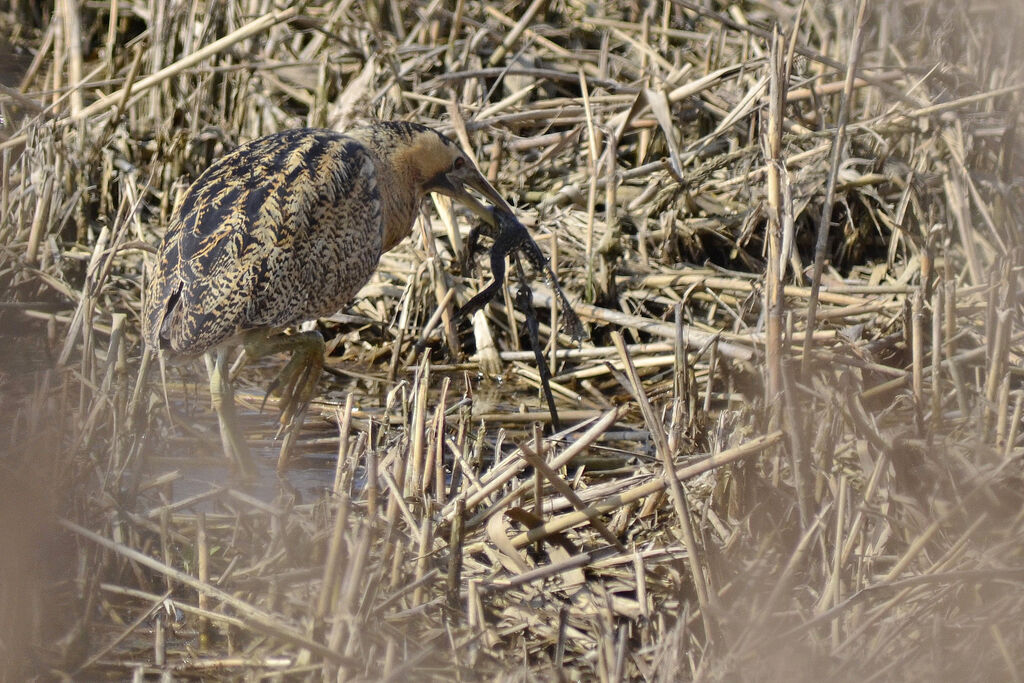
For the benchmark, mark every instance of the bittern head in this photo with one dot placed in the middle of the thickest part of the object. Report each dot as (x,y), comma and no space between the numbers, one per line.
(447,170)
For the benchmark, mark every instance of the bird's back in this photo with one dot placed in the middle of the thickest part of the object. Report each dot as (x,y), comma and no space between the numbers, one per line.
(282,229)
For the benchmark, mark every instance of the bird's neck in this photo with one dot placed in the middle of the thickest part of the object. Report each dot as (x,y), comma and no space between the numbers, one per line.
(399,181)
(400,198)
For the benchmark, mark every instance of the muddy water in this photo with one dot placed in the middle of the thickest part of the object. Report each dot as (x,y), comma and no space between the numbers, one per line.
(191,456)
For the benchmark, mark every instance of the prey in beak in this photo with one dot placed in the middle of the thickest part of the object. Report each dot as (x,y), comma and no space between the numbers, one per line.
(509,235)
(509,238)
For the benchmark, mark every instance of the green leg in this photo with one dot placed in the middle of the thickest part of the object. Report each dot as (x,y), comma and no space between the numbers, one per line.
(222,396)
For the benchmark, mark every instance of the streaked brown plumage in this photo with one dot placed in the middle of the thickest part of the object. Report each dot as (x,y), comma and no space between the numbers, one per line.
(288,228)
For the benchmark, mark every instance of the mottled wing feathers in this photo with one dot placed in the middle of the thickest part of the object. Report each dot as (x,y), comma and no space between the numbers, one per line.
(283,229)
(160,305)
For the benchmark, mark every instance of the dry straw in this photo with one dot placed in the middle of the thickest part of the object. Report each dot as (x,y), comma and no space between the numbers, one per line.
(793,438)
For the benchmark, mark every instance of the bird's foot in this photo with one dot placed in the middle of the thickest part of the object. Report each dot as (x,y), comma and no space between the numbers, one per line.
(296,383)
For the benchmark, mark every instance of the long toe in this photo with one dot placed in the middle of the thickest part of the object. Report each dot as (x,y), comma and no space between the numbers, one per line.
(296,383)
(301,386)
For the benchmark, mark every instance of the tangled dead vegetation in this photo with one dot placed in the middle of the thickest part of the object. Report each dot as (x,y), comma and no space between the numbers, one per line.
(791,447)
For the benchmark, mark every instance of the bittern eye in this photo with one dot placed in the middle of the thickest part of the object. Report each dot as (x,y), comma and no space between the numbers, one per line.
(458,164)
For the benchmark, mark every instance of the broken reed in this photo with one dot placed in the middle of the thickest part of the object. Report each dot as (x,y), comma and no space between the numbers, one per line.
(640,150)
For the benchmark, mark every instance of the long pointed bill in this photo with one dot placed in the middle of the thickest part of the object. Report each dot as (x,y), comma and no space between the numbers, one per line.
(480,184)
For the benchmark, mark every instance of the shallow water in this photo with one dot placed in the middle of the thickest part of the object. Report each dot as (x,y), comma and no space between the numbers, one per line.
(303,482)
(193,451)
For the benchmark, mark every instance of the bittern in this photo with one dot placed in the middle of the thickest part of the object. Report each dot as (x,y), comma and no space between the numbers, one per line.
(285,229)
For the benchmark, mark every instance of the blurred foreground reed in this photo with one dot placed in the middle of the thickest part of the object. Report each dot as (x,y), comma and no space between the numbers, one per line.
(839,400)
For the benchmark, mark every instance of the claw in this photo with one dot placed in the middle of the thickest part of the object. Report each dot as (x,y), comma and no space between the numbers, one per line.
(296,382)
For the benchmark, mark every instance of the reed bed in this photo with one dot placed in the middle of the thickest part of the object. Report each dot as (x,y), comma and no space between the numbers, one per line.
(792,443)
